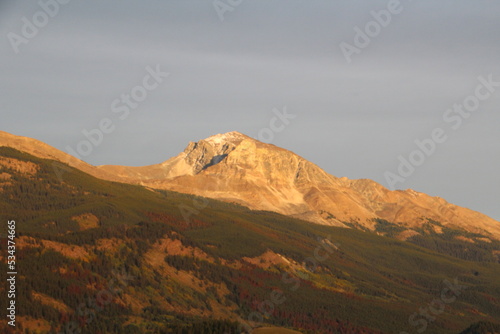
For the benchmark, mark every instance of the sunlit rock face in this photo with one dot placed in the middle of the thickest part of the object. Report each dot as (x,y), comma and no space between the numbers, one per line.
(236,168)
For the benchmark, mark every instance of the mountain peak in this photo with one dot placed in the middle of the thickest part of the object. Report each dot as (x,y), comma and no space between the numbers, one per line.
(236,168)
(212,150)
(234,137)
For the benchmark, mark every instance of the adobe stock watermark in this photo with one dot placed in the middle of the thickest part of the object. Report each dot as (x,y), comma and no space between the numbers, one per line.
(31,27)
(426,315)
(122,107)
(87,311)
(372,29)
(199,203)
(277,297)
(223,6)
(277,124)
(454,117)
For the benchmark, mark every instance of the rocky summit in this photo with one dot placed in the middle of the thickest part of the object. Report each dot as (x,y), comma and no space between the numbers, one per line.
(236,168)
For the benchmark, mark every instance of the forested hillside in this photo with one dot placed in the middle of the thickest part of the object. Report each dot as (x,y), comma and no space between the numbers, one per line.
(100,257)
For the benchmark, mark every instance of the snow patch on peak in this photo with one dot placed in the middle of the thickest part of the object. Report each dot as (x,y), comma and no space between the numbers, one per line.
(223,138)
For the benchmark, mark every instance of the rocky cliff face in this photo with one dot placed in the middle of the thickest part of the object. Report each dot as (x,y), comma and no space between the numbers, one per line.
(236,168)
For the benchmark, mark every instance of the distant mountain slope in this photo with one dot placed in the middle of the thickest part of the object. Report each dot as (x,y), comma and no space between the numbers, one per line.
(236,168)
(42,150)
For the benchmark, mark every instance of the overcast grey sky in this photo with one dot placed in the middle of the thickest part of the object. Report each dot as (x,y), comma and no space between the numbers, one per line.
(352,119)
